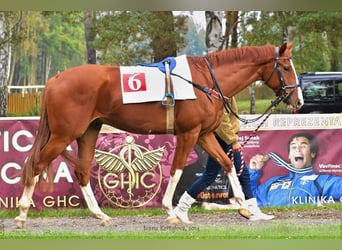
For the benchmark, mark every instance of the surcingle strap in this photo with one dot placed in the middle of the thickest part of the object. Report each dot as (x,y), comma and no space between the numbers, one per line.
(169,100)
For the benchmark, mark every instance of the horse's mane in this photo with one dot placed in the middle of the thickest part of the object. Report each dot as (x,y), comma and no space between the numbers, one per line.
(243,54)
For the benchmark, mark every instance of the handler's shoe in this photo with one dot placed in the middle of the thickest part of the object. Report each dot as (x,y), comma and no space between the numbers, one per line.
(180,213)
(250,210)
(261,216)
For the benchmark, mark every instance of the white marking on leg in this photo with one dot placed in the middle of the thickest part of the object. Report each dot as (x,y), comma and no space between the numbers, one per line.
(236,186)
(25,203)
(92,203)
(170,190)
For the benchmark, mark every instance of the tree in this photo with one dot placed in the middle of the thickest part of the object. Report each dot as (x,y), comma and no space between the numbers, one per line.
(63,43)
(50,42)
(89,34)
(322,31)
(128,37)
(215,41)
(9,22)
(161,32)
(231,33)
(317,36)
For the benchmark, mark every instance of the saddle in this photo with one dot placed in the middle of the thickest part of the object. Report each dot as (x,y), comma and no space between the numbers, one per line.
(168,101)
(166,66)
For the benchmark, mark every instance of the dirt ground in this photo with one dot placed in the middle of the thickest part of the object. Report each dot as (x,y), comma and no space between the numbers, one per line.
(88,224)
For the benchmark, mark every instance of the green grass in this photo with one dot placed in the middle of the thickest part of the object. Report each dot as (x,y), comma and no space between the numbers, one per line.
(76,212)
(275,230)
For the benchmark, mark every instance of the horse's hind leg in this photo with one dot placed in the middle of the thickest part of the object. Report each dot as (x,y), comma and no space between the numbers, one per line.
(25,203)
(34,168)
(86,147)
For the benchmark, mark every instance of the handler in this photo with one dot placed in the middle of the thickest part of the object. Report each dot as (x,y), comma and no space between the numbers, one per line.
(227,136)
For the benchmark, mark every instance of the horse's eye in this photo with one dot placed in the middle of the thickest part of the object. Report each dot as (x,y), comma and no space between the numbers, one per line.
(287,69)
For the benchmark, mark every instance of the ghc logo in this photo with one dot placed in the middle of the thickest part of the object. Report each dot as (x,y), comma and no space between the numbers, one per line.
(134,82)
(129,175)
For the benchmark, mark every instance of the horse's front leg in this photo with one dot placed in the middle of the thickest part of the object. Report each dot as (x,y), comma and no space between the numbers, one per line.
(185,143)
(209,144)
(93,205)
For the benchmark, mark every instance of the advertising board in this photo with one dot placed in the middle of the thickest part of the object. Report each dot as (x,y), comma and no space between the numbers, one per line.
(132,187)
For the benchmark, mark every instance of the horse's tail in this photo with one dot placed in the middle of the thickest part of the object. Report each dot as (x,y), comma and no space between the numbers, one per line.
(41,139)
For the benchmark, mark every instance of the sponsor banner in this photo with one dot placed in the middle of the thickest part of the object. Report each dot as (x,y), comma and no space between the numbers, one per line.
(139,173)
(295,122)
(126,188)
(17,136)
(273,137)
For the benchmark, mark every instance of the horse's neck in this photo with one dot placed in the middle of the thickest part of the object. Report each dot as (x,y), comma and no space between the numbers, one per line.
(236,72)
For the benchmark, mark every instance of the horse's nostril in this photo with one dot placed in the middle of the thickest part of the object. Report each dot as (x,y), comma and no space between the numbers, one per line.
(299,105)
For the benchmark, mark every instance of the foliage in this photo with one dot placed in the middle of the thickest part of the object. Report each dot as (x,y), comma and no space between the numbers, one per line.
(35,111)
(63,41)
(42,43)
(10,21)
(50,42)
(317,36)
(128,37)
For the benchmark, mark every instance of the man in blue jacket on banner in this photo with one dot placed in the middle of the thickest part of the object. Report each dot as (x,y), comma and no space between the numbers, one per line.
(301,185)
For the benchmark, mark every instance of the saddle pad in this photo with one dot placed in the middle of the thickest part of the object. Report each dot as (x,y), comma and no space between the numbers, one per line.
(147,84)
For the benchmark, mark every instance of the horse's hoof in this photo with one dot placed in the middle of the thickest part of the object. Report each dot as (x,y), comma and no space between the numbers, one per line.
(244,212)
(20,223)
(105,222)
(168,209)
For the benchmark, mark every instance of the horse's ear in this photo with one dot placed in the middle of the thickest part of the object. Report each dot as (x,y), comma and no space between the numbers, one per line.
(282,48)
(285,46)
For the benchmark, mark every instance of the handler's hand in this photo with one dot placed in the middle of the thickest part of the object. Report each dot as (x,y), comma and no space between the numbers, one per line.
(236,147)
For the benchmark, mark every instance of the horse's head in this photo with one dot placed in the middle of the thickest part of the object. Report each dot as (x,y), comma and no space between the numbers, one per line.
(282,78)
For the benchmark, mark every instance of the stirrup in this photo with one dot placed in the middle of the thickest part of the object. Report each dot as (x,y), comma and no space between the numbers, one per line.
(166,98)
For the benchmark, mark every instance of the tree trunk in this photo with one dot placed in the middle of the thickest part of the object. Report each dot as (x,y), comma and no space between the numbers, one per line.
(89,36)
(4,61)
(252,98)
(231,33)
(334,66)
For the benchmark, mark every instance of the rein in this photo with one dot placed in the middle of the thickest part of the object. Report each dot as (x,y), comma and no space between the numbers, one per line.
(218,95)
(227,106)
(281,93)
(231,153)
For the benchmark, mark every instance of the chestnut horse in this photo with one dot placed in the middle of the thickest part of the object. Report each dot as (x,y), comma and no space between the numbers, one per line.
(78,101)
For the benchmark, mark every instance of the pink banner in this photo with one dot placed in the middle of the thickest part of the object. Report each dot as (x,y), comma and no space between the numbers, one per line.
(278,182)
(274,135)
(129,189)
